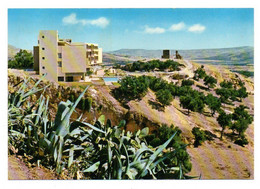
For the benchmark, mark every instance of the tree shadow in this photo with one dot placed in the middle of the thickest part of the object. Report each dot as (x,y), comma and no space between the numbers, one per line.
(156,105)
(232,136)
(202,87)
(209,135)
(207,114)
(185,112)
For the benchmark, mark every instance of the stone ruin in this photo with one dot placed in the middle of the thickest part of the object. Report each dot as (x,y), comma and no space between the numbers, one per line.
(178,56)
(166,54)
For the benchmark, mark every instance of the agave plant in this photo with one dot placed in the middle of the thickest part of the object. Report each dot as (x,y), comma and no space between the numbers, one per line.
(99,151)
(117,154)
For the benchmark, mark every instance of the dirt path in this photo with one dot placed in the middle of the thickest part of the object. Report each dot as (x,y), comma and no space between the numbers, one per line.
(18,170)
(188,70)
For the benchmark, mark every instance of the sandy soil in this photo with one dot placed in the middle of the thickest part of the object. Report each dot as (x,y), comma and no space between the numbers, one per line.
(18,170)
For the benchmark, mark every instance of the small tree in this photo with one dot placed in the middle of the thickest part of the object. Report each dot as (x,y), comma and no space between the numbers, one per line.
(22,59)
(199,135)
(224,94)
(242,93)
(213,102)
(226,84)
(131,88)
(199,73)
(224,121)
(193,103)
(187,82)
(187,103)
(242,120)
(210,81)
(174,89)
(164,96)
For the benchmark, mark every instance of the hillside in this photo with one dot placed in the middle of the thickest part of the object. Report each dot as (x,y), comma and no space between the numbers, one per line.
(214,159)
(12,50)
(237,54)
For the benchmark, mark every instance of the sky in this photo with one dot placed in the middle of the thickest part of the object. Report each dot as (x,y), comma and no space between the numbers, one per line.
(114,29)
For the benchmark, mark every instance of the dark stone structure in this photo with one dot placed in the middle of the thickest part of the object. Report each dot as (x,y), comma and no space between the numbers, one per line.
(178,56)
(166,54)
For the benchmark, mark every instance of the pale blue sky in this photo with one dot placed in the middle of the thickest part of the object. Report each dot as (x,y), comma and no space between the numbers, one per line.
(115,29)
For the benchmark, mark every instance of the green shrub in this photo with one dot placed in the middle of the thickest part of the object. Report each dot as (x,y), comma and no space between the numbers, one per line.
(199,135)
(22,59)
(241,141)
(155,142)
(131,88)
(213,103)
(199,73)
(88,104)
(187,82)
(152,65)
(164,96)
(210,81)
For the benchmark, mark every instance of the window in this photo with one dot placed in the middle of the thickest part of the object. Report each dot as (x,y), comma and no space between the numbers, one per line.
(43,57)
(43,67)
(59,64)
(43,48)
(59,55)
(60,78)
(43,36)
(69,78)
(38,42)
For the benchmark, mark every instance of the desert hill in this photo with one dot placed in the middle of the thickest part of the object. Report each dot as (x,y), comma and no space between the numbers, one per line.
(243,54)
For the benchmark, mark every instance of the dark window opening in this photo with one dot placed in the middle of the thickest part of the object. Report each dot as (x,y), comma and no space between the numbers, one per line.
(59,64)
(43,48)
(43,67)
(59,55)
(69,78)
(43,58)
(60,78)
(43,36)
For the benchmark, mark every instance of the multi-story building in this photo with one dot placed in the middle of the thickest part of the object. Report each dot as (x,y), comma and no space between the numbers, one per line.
(62,60)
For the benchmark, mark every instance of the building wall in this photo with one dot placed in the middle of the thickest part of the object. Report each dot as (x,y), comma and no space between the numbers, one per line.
(48,50)
(100,56)
(36,59)
(74,59)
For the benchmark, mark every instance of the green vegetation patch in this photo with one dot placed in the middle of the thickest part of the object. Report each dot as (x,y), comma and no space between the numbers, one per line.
(244,72)
(153,65)
(22,59)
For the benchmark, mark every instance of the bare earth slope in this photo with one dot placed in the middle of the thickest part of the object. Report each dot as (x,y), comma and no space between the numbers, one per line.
(18,170)
(213,160)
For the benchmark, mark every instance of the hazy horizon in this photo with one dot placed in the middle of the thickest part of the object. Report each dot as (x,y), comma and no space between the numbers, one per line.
(157,49)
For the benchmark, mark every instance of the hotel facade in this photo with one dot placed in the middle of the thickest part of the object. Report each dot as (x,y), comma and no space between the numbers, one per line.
(63,60)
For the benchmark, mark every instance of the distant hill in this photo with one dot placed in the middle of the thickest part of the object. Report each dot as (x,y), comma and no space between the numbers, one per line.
(12,50)
(241,54)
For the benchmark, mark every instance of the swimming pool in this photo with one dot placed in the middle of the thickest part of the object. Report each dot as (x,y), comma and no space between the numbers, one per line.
(111,79)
